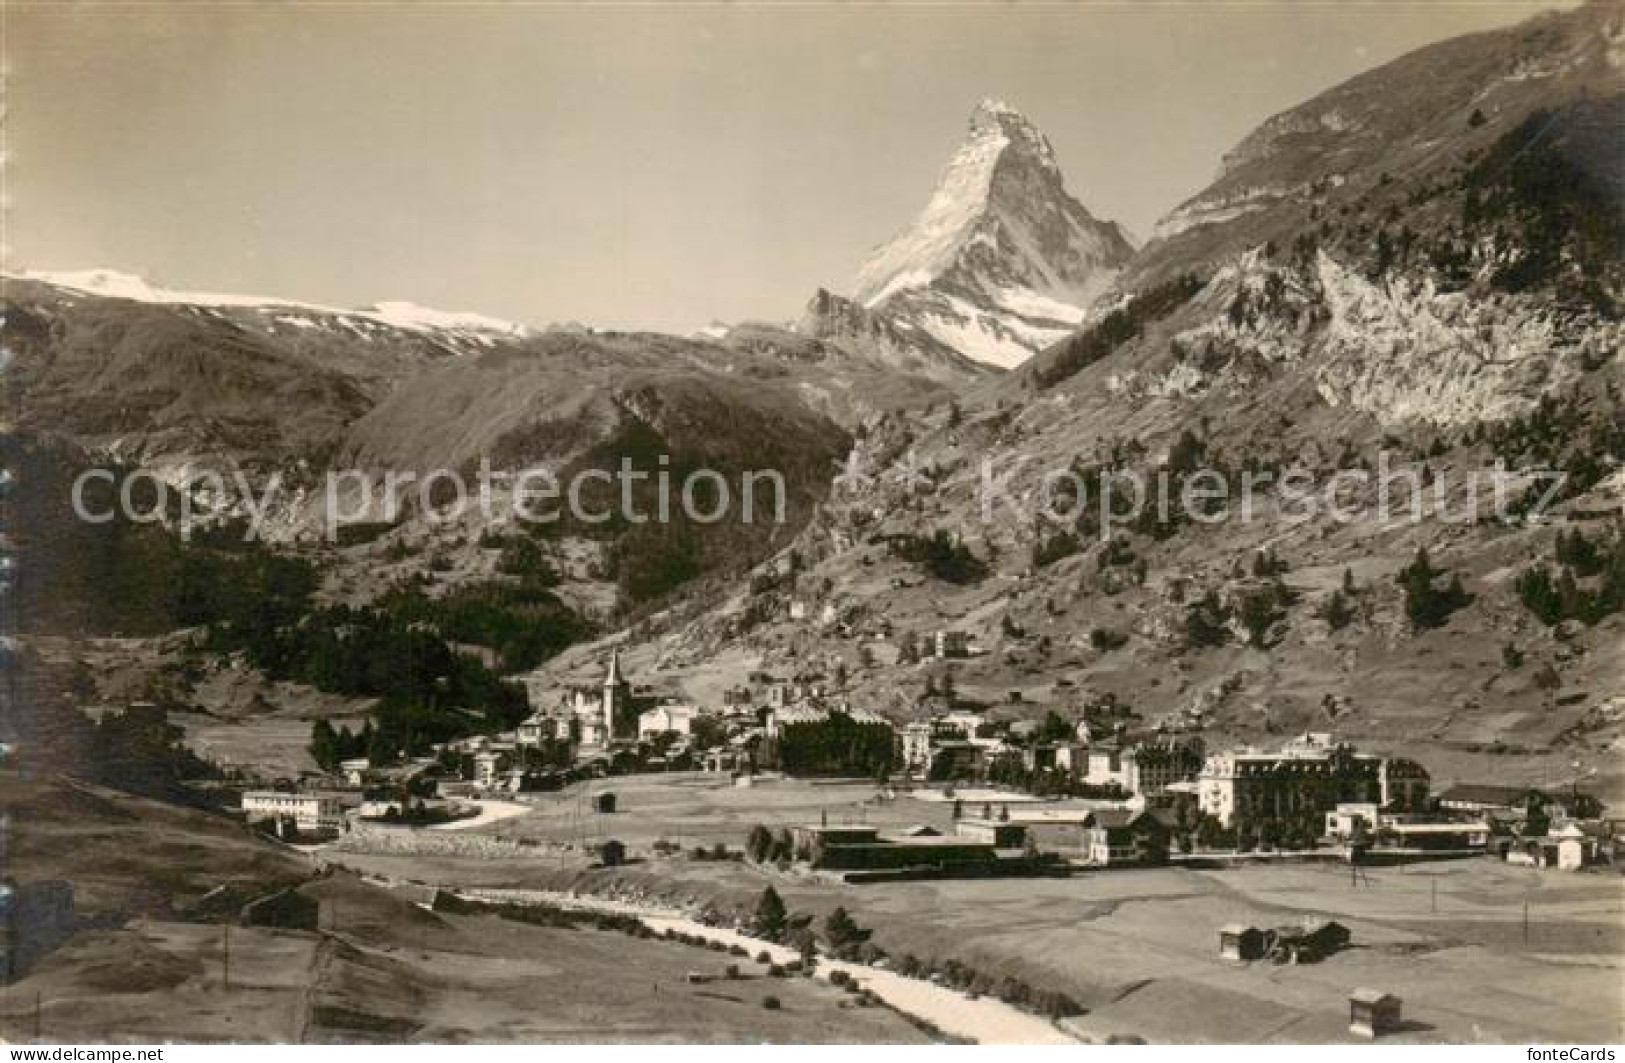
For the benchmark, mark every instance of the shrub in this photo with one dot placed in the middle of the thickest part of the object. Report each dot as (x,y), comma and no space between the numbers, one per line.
(1055,548)
(943,556)
(1338,613)
(1105,639)
(1425,604)
(1207,622)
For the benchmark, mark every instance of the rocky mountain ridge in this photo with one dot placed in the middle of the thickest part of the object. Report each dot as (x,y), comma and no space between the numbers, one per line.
(1002,260)
(1432,278)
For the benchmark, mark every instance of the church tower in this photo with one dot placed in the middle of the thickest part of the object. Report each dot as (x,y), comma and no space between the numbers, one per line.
(620,716)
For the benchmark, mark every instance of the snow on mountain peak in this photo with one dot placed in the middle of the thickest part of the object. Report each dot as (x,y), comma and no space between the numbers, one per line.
(412,316)
(1002,260)
(112,284)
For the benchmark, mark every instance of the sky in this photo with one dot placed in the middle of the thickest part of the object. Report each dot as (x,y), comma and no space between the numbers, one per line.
(626,166)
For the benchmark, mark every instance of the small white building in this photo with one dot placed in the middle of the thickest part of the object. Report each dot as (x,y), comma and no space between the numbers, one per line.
(354,770)
(1346,818)
(966,722)
(1574,848)
(667,719)
(540,727)
(489,766)
(1110,766)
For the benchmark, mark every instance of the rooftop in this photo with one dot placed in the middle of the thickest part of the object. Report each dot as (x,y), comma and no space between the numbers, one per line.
(1487,793)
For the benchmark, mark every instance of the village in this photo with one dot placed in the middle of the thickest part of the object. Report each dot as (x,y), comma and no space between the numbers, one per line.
(1313,856)
(1026,797)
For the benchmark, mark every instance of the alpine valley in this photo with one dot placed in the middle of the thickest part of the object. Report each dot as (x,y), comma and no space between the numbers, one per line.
(1420,266)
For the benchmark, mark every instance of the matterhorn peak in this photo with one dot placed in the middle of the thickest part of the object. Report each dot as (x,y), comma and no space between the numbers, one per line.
(997,118)
(1002,260)
(991,112)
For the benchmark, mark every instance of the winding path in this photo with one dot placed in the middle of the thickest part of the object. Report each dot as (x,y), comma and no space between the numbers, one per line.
(984,1020)
(490,812)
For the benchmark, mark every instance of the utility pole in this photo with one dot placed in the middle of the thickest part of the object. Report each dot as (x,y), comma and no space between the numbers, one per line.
(226,956)
(1526,921)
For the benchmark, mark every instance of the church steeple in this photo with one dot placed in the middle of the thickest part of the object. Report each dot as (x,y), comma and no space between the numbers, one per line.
(620,715)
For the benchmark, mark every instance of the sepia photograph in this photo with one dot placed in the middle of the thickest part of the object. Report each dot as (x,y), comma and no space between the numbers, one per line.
(770,523)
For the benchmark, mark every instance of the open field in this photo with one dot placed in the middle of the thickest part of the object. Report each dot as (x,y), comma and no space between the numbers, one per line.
(131,856)
(1139,947)
(380,969)
(698,809)
(423,978)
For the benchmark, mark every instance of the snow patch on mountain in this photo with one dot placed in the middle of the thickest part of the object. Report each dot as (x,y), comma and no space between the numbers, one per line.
(112,284)
(365,323)
(412,316)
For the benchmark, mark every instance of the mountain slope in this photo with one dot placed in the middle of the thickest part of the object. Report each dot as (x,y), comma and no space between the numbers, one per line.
(1404,123)
(1003,259)
(181,384)
(1406,284)
(892,340)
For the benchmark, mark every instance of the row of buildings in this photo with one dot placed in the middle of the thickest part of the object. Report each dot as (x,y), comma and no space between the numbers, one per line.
(1159,792)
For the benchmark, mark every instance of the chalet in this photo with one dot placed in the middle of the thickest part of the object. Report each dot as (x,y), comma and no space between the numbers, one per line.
(1307,942)
(1239,942)
(1115,837)
(1373,1013)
